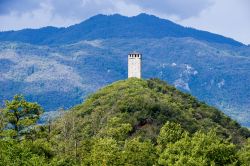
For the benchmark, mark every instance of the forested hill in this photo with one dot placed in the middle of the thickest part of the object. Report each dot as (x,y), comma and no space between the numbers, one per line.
(147,122)
(130,122)
(148,104)
(113,26)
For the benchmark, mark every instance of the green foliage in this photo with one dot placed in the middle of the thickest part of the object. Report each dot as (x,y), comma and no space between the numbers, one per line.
(105,151)
(116,129)
(244,154)
(132,122)
(13,153)
(17,119)
(8,133)
(20,114)
(170,133)
(137,152)
(201,149)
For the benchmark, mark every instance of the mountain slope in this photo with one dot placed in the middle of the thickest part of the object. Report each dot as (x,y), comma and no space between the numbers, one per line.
(114,26)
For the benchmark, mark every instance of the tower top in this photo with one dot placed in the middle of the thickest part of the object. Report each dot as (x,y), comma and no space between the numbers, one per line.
(134,64)
(135,54)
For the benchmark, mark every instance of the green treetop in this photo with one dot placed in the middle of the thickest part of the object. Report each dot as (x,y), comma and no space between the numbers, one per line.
(20,114)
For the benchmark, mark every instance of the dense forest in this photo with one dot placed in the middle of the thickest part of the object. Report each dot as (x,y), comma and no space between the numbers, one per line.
(130,122)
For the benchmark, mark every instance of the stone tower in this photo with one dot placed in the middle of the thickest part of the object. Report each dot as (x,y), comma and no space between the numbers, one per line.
(134,65)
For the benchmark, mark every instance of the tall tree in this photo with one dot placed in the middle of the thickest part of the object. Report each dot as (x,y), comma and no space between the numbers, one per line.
(2,123)
(20,114)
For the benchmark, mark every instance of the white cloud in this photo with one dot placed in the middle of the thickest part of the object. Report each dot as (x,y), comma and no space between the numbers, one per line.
(7,6)
(180,8)
(226,17)
(35,18)
(127,9)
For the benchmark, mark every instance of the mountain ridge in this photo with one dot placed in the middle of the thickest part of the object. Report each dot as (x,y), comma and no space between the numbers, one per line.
(113,26)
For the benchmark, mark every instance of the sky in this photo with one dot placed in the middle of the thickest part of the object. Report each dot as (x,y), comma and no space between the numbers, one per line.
(230,18)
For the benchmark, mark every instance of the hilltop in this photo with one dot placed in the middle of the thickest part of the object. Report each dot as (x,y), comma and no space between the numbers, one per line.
(148,104)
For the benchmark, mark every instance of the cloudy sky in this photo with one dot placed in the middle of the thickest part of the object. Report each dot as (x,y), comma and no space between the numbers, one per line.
(227,17)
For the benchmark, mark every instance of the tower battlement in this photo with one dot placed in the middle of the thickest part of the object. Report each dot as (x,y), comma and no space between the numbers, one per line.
(134,65)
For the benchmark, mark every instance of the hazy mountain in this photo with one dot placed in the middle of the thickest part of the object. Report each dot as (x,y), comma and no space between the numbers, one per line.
(58,67)
(114,26)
